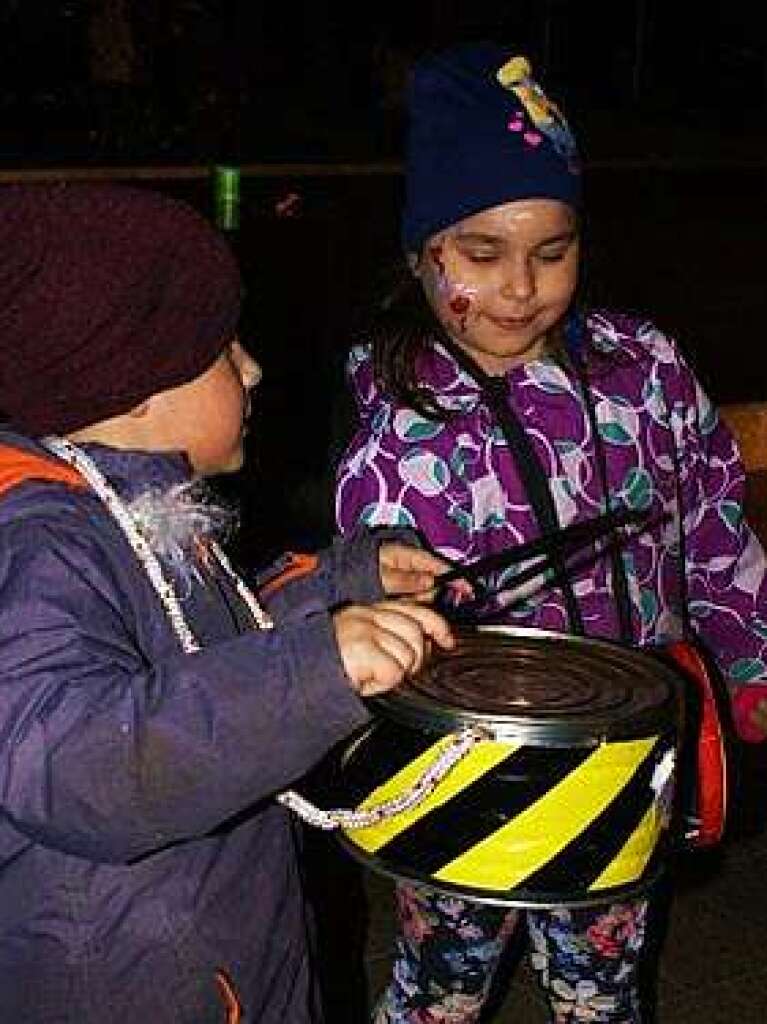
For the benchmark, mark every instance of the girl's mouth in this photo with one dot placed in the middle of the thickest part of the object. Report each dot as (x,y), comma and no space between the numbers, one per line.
(511,323)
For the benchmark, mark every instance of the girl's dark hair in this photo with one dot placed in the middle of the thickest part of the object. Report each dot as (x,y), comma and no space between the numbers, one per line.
(402,328)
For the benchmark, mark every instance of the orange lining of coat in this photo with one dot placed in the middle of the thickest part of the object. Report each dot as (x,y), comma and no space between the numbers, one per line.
(298,565)
(17,466)
(232,1004)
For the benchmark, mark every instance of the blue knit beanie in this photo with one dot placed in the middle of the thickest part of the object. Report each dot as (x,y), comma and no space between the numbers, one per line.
(482,132)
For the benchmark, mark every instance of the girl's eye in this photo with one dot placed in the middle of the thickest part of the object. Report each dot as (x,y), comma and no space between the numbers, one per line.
(481,257)
(555,251)
(552,255)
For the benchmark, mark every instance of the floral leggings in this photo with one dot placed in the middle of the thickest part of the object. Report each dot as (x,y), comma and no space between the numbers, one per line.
(586,960)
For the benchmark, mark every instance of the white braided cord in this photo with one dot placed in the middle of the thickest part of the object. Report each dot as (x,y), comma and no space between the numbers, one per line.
(420,789)
(460,745)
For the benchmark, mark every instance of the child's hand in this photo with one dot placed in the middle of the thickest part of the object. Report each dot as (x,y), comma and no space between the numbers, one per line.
(408,570)
(749,708)
(382,643)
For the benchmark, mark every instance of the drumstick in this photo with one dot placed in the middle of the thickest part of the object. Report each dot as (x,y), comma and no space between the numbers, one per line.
(466,611)
(572,538)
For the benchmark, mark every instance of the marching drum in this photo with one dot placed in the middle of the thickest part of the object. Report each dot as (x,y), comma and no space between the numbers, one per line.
(567,789)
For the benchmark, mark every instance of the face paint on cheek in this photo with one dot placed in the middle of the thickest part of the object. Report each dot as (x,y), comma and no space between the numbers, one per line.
(461,305)
(457,296)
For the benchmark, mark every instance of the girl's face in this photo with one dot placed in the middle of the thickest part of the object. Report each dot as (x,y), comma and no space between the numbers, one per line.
(207,417)
(500,280)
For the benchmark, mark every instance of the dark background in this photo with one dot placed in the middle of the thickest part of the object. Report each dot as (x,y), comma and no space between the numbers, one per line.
(669,102)
(135,80)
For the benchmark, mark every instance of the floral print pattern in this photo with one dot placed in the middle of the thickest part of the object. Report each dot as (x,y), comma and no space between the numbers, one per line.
(663,441)
(666,451)
(585,960)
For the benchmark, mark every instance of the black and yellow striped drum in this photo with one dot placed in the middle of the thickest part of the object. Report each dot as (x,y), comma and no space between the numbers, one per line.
(565,797)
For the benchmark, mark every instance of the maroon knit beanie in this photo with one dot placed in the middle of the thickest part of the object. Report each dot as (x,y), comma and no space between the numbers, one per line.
(108,295)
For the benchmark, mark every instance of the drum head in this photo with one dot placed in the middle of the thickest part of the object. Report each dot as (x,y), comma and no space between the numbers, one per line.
(538,685)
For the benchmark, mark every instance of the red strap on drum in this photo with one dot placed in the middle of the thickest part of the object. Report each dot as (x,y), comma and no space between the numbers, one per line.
(711,761)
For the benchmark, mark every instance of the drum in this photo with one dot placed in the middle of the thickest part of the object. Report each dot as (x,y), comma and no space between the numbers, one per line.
(565,798)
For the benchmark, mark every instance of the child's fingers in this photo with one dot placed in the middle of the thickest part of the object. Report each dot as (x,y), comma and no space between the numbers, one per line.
(749,705)
(380,644)
(425,596)
(377,645)
(396,626)
(373,670)
(394,555)
(401,581)
(406,650)
(378,662)
(429,621)
(759,716)
(408,570)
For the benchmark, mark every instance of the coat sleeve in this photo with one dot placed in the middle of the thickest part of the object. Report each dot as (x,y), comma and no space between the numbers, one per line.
(388,479)
(347,571)
(109,752)
(726,567)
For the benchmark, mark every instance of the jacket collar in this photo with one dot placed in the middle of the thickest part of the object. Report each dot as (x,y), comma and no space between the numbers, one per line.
(129,472)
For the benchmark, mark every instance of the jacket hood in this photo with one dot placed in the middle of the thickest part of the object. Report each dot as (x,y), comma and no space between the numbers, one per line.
(29,473)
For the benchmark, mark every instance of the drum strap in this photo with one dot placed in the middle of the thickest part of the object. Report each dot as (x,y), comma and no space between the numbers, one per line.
(531,472)
(536,483)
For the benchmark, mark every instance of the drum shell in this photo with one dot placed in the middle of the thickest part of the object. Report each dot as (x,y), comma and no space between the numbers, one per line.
(542,813)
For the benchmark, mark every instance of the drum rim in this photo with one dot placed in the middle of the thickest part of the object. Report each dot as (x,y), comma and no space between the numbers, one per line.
(517,897)
(423,712)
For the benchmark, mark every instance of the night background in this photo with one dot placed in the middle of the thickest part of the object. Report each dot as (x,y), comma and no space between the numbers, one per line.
(149,80)
(667,97)
(669,106)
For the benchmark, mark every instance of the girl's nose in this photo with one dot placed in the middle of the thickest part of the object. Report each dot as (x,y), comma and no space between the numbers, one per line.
(519,281)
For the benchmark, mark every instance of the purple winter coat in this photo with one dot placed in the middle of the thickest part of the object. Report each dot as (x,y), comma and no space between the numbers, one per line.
(663,442)
(140,849)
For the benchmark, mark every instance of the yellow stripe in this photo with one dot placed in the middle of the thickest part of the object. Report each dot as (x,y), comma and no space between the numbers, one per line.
(480,759)
(629,864)
(522,846)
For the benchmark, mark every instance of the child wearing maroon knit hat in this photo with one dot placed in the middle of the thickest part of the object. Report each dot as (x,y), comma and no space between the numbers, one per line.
(151,704)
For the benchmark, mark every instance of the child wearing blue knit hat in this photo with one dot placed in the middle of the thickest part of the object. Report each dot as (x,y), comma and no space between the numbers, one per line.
(482,133)
(494,410)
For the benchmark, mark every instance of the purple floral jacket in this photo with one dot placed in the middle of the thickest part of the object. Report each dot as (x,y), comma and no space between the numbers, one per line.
(141,851)
(457,482)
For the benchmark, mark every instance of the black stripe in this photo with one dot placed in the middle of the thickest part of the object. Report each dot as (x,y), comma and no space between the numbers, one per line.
(481,808)
(532,473)
(537,487)
(584,859)
(384,751)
